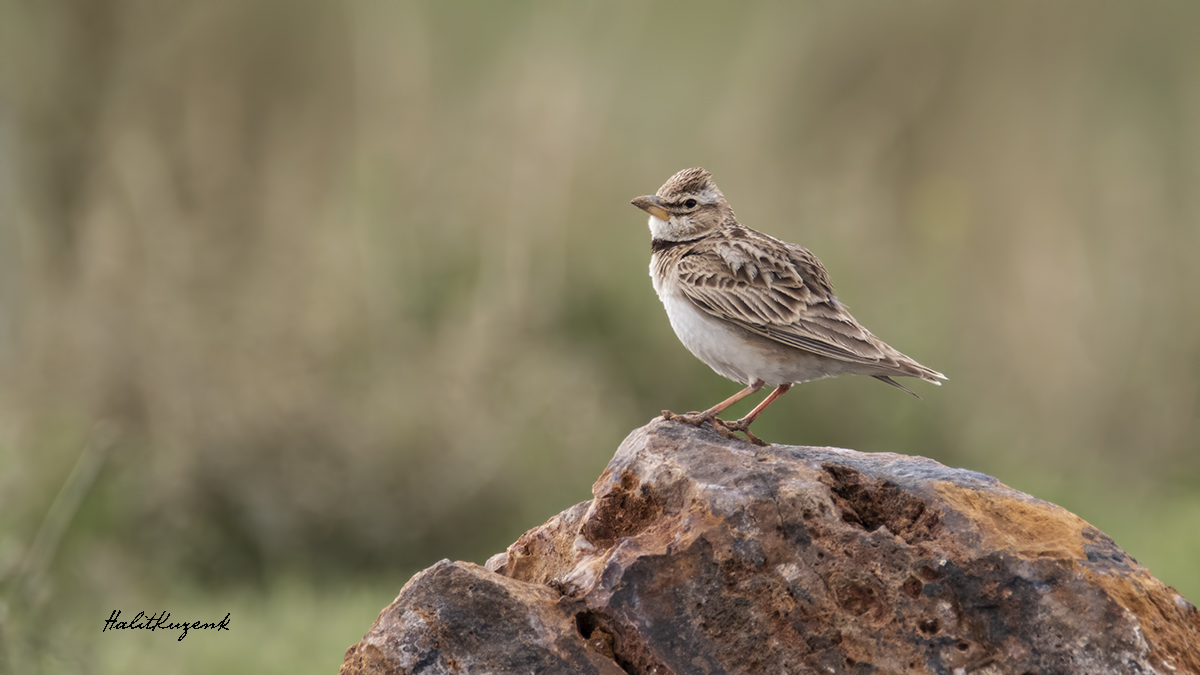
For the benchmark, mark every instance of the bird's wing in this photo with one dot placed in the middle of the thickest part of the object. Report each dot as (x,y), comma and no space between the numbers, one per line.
(777,290)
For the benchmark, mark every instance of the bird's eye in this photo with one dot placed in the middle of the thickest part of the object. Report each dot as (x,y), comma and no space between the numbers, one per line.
(691,203)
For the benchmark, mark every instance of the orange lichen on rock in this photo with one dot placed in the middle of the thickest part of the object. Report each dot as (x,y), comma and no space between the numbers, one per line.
(1010,520)
(1167,619)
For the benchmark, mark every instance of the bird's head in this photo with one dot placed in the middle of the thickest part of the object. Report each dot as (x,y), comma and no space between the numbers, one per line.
(689,205)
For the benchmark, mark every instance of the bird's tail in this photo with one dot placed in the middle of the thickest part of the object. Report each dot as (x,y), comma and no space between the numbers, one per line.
(885,378)
(910,368)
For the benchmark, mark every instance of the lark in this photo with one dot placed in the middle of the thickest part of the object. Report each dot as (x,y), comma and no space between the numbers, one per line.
(757,310)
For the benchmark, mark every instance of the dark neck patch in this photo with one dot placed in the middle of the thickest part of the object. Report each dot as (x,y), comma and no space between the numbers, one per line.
(660,245)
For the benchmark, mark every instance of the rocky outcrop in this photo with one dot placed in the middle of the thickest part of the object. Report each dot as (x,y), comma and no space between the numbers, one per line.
(701,554)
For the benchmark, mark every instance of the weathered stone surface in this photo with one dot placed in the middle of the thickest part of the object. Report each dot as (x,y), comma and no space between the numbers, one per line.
(461,618)
(705,555)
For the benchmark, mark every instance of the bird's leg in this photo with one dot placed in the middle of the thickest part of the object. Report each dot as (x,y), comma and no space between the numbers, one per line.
(699,418)
(743,425)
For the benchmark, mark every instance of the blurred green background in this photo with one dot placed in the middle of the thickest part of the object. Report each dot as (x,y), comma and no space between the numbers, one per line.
(297,298)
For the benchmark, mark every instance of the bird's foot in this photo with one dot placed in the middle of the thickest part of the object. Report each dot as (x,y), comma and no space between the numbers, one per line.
(727,430)
(698,419)
(695,419)
(722,427)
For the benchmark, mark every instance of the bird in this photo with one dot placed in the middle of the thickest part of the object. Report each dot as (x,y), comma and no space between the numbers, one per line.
(758,310)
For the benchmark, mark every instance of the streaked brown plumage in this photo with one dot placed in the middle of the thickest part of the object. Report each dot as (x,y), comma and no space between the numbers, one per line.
(756,309)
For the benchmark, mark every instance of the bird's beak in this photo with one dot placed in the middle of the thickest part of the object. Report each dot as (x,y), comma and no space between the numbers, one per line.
(651,205)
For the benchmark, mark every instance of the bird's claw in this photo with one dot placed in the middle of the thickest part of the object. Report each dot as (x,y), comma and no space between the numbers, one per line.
(726,429)
(695,419)
(722,427)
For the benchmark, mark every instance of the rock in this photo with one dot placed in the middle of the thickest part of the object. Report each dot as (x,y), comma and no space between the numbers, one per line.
(462,618)
(701,554)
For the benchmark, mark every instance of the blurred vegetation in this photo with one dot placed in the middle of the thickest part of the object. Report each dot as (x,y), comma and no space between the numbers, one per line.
(297,298)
